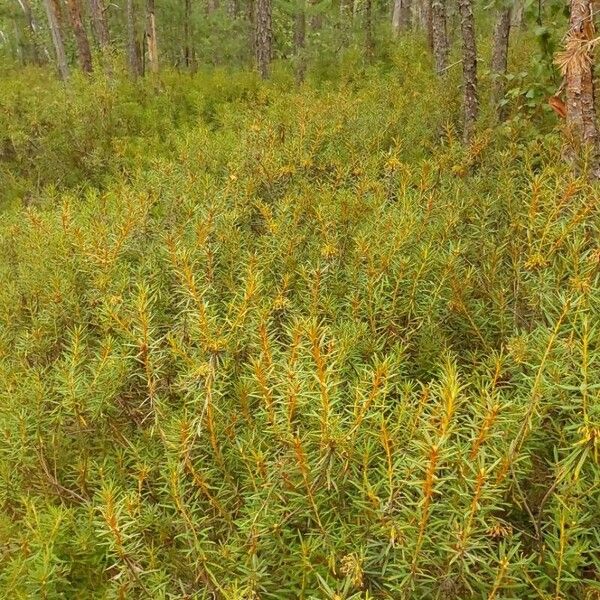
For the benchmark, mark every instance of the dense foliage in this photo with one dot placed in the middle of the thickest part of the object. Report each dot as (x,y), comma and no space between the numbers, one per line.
(267,342)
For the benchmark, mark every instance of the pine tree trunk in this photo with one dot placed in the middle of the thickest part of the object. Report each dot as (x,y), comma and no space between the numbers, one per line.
(263,36)
(577,65)
(187,33)
(57,38)
(401,16)
(133,51)
(369,41)
(500,60)
(517,14)
(300,41)
(440,35)
(33,31)
(426,21)
(151,41)
(81,39)
(98,9)
(471,100)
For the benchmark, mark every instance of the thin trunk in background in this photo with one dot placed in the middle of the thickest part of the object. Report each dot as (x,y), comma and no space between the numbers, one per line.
(188,52)
(33,30)
(576,63)
(517,21)
(369,41)
(441,48)
(133,50)
(151,42)
(300,40)
(57,38)
(500,60)
(426,21)
(401,16)
(81,39)
(100,24)
(263,36)
(469,61)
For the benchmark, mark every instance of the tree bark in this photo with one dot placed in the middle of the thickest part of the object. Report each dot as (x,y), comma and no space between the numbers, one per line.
(81,38)
(300,40)
(57,38)
(426,21)
(471,100)
(500,60)
(33,30)
(151,41)
(188,51)
(441,48)
(401,16)
(577,65)
(369,41)
(517,14)
(100,24)
(263,36)
(133,50)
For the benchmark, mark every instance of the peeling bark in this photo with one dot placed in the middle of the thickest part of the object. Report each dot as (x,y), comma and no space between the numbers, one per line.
(577,65)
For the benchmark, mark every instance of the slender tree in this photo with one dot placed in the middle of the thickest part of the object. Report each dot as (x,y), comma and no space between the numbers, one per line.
(263,36)
(441,47)
(188,52)
(368,25)
(401,16)
(300,39)
(426,21)
(32,27)
(151,41)
(500,59)
(81,38)
(133,50)
(577,66)
(469,61)
(52,12)
(100,24)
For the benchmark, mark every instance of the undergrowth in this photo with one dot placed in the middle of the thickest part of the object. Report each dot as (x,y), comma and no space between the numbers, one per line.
(262,342)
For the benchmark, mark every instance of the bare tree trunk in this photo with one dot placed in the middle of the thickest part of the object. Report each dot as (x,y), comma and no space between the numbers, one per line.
(151,40)
(187,33)
(212,6)
(441,48)
(81,39)
(33,30)
(500,60)
(133,51)
(98,9)
(471,100)
(369,41)
(57,39)
(576,64)
(426,21)
(517,14)
(401,16)
(300,40)
(263,36)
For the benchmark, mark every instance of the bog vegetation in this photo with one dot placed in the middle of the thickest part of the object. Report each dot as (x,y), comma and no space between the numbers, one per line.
(268,340)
